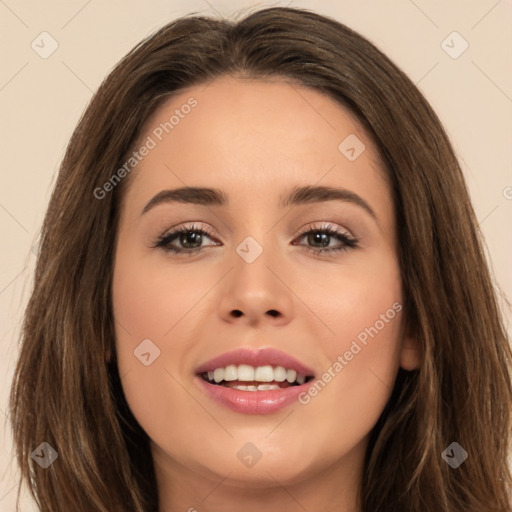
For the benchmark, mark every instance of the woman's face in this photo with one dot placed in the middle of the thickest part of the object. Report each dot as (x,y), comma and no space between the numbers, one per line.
(257,280)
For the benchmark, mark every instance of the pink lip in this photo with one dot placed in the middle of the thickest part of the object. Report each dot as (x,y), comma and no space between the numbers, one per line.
(253,402)
(255,357)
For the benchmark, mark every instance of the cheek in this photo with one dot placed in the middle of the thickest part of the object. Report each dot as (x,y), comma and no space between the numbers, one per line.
(362,307)
(347,399)
(146,308)
(142,312)
(352,298)
(149,300)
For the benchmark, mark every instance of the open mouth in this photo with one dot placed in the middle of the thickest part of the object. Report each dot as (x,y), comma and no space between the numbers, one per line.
(248,378)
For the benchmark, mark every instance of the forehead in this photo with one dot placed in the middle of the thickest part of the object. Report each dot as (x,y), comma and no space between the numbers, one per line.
(236,115)
(255,138)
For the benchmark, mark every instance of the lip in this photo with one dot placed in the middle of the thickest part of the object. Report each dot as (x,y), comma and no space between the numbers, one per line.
(256,357)
(254,402)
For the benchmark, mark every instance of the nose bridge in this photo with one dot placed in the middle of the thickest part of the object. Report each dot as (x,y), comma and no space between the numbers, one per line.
(255,257)
(257,236)
(255,290)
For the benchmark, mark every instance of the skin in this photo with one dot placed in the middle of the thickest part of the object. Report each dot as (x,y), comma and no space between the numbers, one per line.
(254,140)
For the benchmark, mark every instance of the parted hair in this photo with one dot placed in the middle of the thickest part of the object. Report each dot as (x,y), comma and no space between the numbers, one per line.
(64,392)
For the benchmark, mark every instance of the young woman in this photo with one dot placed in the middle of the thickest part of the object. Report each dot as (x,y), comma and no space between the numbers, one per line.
(261,285)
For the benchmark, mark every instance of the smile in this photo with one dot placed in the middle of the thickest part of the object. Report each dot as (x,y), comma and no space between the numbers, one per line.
(252,381)
(249,378)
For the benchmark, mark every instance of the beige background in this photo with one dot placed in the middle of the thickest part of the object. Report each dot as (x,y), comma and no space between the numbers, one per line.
(41,100)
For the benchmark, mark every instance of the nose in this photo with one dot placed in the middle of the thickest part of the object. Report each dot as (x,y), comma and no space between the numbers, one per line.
(257,291)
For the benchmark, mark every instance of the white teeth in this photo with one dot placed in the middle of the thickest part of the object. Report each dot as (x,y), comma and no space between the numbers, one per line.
(260,387)
(218,374)
(268,387)
(247,373)
(279,374)
(230,373)
(264,374)
(291,375)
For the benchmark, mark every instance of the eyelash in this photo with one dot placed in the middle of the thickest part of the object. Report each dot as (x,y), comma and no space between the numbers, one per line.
(164,241)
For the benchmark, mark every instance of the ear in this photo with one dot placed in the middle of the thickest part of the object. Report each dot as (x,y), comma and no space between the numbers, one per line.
(410,352)
(108,356)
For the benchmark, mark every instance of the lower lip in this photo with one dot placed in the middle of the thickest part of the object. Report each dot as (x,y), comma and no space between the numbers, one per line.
(253,402)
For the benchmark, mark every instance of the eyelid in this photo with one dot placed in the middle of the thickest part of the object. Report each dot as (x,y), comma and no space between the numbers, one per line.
(319,225)
(325,226)
(191,226)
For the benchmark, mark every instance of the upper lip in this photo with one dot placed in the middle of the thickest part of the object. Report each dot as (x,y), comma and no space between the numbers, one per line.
(255,357)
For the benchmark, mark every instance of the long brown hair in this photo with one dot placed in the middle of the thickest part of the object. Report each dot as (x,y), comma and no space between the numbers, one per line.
(65,393)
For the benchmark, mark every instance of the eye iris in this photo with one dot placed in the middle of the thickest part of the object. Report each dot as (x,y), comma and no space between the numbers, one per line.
(322,238)
(192,237)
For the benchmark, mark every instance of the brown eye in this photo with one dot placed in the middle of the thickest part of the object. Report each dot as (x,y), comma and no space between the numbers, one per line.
(187,239)
(320,239)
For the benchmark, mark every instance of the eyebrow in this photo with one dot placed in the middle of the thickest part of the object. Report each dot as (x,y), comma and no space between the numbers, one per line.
(297,196)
